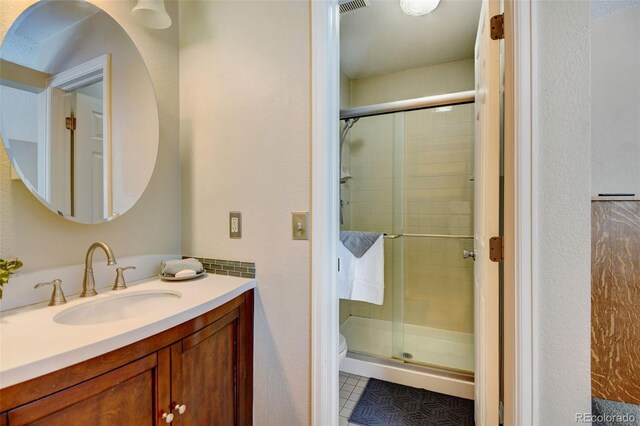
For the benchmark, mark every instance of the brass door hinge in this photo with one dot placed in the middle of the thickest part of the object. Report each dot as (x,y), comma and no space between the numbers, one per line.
(496,249)
(497,27)
(70,123)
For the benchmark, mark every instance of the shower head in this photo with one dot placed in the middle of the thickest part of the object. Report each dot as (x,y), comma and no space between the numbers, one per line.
(348,123)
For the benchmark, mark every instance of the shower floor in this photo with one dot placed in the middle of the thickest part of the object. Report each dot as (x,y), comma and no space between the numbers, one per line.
(430,346)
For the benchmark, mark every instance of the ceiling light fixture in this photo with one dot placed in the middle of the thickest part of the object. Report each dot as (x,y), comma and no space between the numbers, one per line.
(444,109)
(152,14)
(418,7)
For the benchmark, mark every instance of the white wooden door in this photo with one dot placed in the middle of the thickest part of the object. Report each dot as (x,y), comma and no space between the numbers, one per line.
(89,159)
(487,219)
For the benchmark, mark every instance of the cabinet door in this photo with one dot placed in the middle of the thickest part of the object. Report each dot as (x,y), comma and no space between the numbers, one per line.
(208,373)
(124,396)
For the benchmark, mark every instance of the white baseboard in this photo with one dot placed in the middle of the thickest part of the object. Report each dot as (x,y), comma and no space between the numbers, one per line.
(416,379)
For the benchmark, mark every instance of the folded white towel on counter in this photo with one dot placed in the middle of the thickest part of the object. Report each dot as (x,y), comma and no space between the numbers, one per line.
(172,267)
(362,278)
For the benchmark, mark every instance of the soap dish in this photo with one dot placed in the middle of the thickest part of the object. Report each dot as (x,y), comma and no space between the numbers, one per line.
(172,278)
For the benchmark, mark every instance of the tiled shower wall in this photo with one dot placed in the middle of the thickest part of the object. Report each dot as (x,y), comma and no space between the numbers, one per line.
(345,194)
(437,199)
(370,162)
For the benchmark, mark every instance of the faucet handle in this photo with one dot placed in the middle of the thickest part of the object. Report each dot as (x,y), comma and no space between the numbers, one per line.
(120,283)
(57,296)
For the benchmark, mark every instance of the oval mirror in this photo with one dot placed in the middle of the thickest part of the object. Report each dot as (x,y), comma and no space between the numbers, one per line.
(78,113)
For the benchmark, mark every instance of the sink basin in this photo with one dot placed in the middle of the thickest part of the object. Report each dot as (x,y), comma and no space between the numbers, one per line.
(117,307)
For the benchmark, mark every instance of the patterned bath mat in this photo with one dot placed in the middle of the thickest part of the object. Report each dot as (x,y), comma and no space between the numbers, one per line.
(390,404)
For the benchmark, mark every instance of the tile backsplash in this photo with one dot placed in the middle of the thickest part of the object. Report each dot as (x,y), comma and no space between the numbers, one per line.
(234,268)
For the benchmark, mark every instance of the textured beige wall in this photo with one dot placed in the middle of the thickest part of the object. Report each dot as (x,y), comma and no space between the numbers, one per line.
(615,89)
(245,87)
(562,209)
(345,90)
(434,80)
(42,239)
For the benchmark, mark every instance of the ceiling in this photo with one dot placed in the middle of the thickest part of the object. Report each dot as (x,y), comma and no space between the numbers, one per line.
(38,23)
(380,39)
(45,19)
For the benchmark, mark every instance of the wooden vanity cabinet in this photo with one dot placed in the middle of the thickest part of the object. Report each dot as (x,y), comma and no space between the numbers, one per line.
(124,396)
(211,393)
(204,366)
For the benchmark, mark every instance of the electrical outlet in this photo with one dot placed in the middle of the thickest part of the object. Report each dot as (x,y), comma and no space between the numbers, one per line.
(235,225)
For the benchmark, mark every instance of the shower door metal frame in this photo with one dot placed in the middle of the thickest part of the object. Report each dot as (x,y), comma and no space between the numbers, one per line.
(447,99)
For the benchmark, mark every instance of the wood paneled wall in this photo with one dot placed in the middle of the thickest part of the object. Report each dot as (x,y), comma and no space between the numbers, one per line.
(615,300)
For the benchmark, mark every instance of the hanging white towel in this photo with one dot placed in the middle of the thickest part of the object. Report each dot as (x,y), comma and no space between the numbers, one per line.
(362,278)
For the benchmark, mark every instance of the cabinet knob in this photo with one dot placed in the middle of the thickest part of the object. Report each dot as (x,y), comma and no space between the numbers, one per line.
(167,417)
(180,408)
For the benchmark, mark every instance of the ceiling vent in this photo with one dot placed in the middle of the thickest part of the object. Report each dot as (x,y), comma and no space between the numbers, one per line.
(349,5)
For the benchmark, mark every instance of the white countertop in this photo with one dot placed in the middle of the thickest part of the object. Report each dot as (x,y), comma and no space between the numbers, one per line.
(32,344)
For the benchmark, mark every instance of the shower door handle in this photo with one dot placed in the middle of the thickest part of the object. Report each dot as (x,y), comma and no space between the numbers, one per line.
(469,254)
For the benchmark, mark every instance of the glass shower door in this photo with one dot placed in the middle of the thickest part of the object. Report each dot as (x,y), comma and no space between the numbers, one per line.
(370,205)
(438,312)
(411,177)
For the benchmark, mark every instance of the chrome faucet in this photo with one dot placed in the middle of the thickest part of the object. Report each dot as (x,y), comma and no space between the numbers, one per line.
(88,283)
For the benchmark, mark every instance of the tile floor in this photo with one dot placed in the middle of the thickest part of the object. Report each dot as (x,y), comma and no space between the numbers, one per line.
(351,387)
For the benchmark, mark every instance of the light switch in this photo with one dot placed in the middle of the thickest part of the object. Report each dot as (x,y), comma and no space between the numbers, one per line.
(300,225)
(235,225)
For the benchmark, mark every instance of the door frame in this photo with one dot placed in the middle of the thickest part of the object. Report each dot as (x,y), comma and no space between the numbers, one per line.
(325,112)
(521,345)
(520,353)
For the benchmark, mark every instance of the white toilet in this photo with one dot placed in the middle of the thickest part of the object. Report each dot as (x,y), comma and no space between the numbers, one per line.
(342,348)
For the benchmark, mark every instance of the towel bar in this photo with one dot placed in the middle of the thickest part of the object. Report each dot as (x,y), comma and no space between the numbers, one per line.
(394,236)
